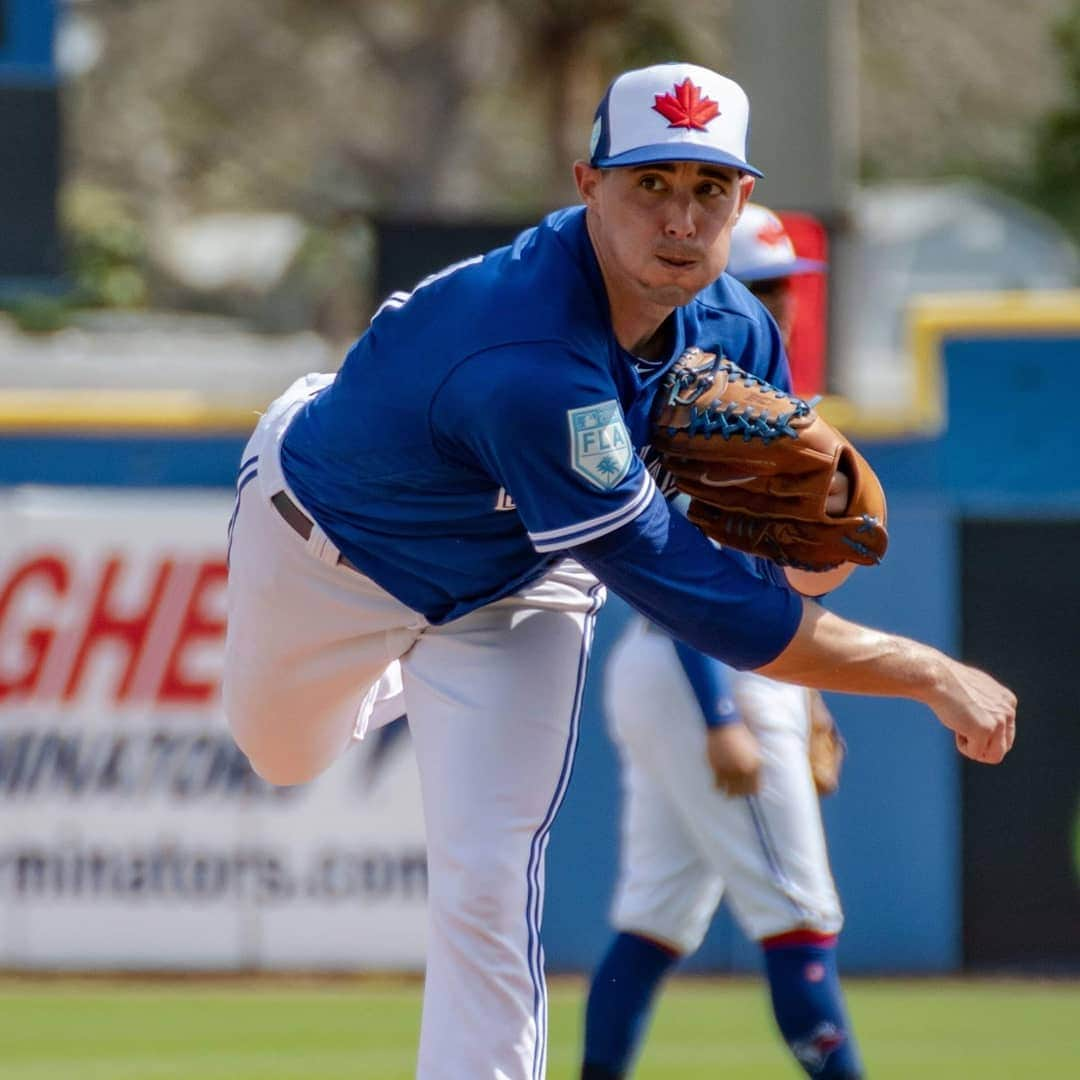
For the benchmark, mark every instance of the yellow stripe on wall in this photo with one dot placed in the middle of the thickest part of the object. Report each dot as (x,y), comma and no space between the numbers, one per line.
(932,319)
(99,410)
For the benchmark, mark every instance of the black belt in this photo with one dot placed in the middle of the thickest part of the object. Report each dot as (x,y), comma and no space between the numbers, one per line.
(299,522)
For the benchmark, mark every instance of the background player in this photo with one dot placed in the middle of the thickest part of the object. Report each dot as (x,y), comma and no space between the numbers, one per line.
(725,801)
(454,497)
(764,259)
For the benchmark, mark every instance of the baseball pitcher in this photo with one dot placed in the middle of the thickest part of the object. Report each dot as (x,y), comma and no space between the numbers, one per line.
(458,496)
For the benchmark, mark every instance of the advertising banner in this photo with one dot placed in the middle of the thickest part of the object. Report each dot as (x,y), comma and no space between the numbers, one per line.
(133,833)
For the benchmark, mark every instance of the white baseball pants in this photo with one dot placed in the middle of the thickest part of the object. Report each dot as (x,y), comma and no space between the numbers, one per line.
(493,701)
(684,842)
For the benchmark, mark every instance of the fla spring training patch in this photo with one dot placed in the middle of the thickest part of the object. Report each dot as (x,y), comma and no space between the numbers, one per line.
(599,444)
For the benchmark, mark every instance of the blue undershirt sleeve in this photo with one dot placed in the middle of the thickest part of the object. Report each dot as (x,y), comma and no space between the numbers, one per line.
(665,568)
(710,680)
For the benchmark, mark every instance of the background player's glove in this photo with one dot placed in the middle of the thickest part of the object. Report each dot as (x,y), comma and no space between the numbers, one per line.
(757,464)
(826,746)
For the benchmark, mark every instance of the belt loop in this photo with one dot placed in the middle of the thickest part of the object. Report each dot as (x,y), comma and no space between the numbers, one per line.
(321,546)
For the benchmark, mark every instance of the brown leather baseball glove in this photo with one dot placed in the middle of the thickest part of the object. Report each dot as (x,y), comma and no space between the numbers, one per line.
(826,746)
(758,463)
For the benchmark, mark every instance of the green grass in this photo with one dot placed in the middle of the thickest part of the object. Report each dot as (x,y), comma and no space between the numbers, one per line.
(366,1030)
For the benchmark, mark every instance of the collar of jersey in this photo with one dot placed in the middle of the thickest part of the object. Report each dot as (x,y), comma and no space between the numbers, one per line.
(648,371)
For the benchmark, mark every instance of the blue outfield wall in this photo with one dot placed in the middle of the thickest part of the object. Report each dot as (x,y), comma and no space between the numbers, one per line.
(27,32)
(129,460)
(894,827)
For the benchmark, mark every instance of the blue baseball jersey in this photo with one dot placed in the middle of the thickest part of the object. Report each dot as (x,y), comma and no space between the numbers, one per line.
(488,422)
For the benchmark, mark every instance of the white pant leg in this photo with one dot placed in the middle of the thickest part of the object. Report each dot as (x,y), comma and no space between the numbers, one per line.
(307,639)
(493,701)
(666,890)
(786,816)
(768,850)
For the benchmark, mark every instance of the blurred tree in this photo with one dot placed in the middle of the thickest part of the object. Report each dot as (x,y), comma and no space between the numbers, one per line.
(106,253)
(344,106)
(1056,180)
(571,50)
(954,87)
(339,110)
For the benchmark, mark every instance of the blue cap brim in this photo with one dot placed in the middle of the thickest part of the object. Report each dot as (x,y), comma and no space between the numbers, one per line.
(780,270)
(653,155)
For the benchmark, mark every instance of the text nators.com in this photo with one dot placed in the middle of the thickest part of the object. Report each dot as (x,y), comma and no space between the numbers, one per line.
(166,871)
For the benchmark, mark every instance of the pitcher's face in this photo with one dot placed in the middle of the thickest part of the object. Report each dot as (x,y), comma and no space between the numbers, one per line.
(663,231)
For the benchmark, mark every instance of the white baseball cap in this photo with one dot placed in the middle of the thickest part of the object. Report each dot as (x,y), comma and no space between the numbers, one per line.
(671,112)
(762,249)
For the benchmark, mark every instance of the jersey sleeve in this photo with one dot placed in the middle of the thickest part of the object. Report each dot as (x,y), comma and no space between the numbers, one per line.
(711,598)
(547,426)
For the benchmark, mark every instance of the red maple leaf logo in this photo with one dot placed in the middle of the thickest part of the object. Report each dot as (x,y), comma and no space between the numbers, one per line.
(686,107)
(772,233)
